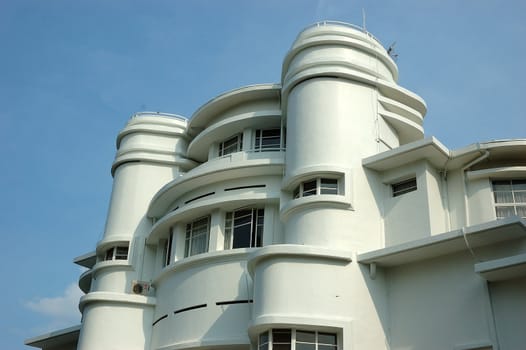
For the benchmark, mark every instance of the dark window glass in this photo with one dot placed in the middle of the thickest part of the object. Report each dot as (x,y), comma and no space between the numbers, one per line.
(404,187)
(309,188)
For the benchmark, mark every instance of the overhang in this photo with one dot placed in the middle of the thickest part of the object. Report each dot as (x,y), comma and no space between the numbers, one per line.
(55,339)
(447,243)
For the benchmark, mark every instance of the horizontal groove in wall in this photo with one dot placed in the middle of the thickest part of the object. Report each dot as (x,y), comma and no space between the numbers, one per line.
(159,319)
(244,187)
(189,308)
(199,197)
(230,302)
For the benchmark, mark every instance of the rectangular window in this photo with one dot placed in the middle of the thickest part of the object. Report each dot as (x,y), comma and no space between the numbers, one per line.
(231,145)
(268,140)
(197,233)
(167,251)
(510,198)
(316,186)
(287,339)
(116,253)
(244,228)
(404,187)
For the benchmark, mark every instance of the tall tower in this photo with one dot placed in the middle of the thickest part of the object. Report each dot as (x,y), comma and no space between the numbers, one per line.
(340,104)
(150,153)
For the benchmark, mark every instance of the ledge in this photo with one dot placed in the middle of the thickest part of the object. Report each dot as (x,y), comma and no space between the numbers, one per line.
(502,269)
(86,260)
(55,338)
(293,250)
(446,243)
(114,297)
(239,254)
(511,172)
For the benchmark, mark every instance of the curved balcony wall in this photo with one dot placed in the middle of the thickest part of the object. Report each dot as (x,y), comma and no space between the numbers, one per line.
(224,195)
(212,304)
(248,99)
(243,168)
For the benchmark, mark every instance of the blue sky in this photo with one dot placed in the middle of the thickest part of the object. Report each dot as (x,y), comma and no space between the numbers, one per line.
(73,72)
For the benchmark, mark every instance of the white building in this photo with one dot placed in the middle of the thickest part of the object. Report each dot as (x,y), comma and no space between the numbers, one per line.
(311,214)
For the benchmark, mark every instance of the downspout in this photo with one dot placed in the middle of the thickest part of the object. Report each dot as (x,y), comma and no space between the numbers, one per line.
(484,155)
(445,187)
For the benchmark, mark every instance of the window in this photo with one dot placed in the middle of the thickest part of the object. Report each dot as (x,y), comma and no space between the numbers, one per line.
(197,236)
(233,144)
(167,251)
(510,198)
(403,187)
(316,186)
(291,339)
(268,140)
(116,253)
(244,228)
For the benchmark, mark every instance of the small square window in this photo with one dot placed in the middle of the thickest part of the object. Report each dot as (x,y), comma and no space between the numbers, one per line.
(404,187)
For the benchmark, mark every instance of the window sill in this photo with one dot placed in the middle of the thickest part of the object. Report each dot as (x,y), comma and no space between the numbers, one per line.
(111,264)
(330,201)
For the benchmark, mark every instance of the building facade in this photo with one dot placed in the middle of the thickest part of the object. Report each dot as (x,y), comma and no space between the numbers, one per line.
(310,214)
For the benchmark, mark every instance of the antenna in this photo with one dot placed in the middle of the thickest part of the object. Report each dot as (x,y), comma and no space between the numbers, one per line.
(391,52)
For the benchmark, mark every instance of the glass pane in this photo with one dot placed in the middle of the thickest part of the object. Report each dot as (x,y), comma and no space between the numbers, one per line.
(263,347)
(263,338)
(503,212)
(327,347)
(329,186)
(242,236)
(228,231)
(281,346)
(305,346)
(121,253)
(519,185)
(503,197)
(521,211)
(504,185)
(309,188)
(296,192)
(281,336)
(327,338)
(520,197)
(303,336)
(109,254)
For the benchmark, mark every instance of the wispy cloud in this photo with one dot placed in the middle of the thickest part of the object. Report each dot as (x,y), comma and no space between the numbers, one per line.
(62,310)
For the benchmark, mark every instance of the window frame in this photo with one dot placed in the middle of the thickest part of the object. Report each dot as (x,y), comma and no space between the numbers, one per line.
(517,189)
(116,253)
(257,218)
(191,236)
(225,149)
(167,250)
(259,138)
(266,339)
(405,186)
(323,185)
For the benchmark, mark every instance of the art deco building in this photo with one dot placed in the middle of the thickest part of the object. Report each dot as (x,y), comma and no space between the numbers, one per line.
(310,214)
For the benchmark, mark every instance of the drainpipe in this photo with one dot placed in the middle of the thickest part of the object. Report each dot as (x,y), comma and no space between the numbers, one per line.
(484,155)
(445,191)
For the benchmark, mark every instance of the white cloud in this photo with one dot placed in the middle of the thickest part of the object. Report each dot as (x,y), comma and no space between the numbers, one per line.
(62,310)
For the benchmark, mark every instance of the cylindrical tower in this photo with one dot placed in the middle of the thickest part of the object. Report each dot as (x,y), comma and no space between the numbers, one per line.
(150,153)
(341,104)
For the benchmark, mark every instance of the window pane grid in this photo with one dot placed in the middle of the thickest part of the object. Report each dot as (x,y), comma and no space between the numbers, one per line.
(268,140)
(231,145)
(510,198)
(315,187)
(277,339)
(244,228)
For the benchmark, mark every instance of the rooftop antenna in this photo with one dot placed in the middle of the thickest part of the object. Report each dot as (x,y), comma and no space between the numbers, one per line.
(363,20)
(391,52)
